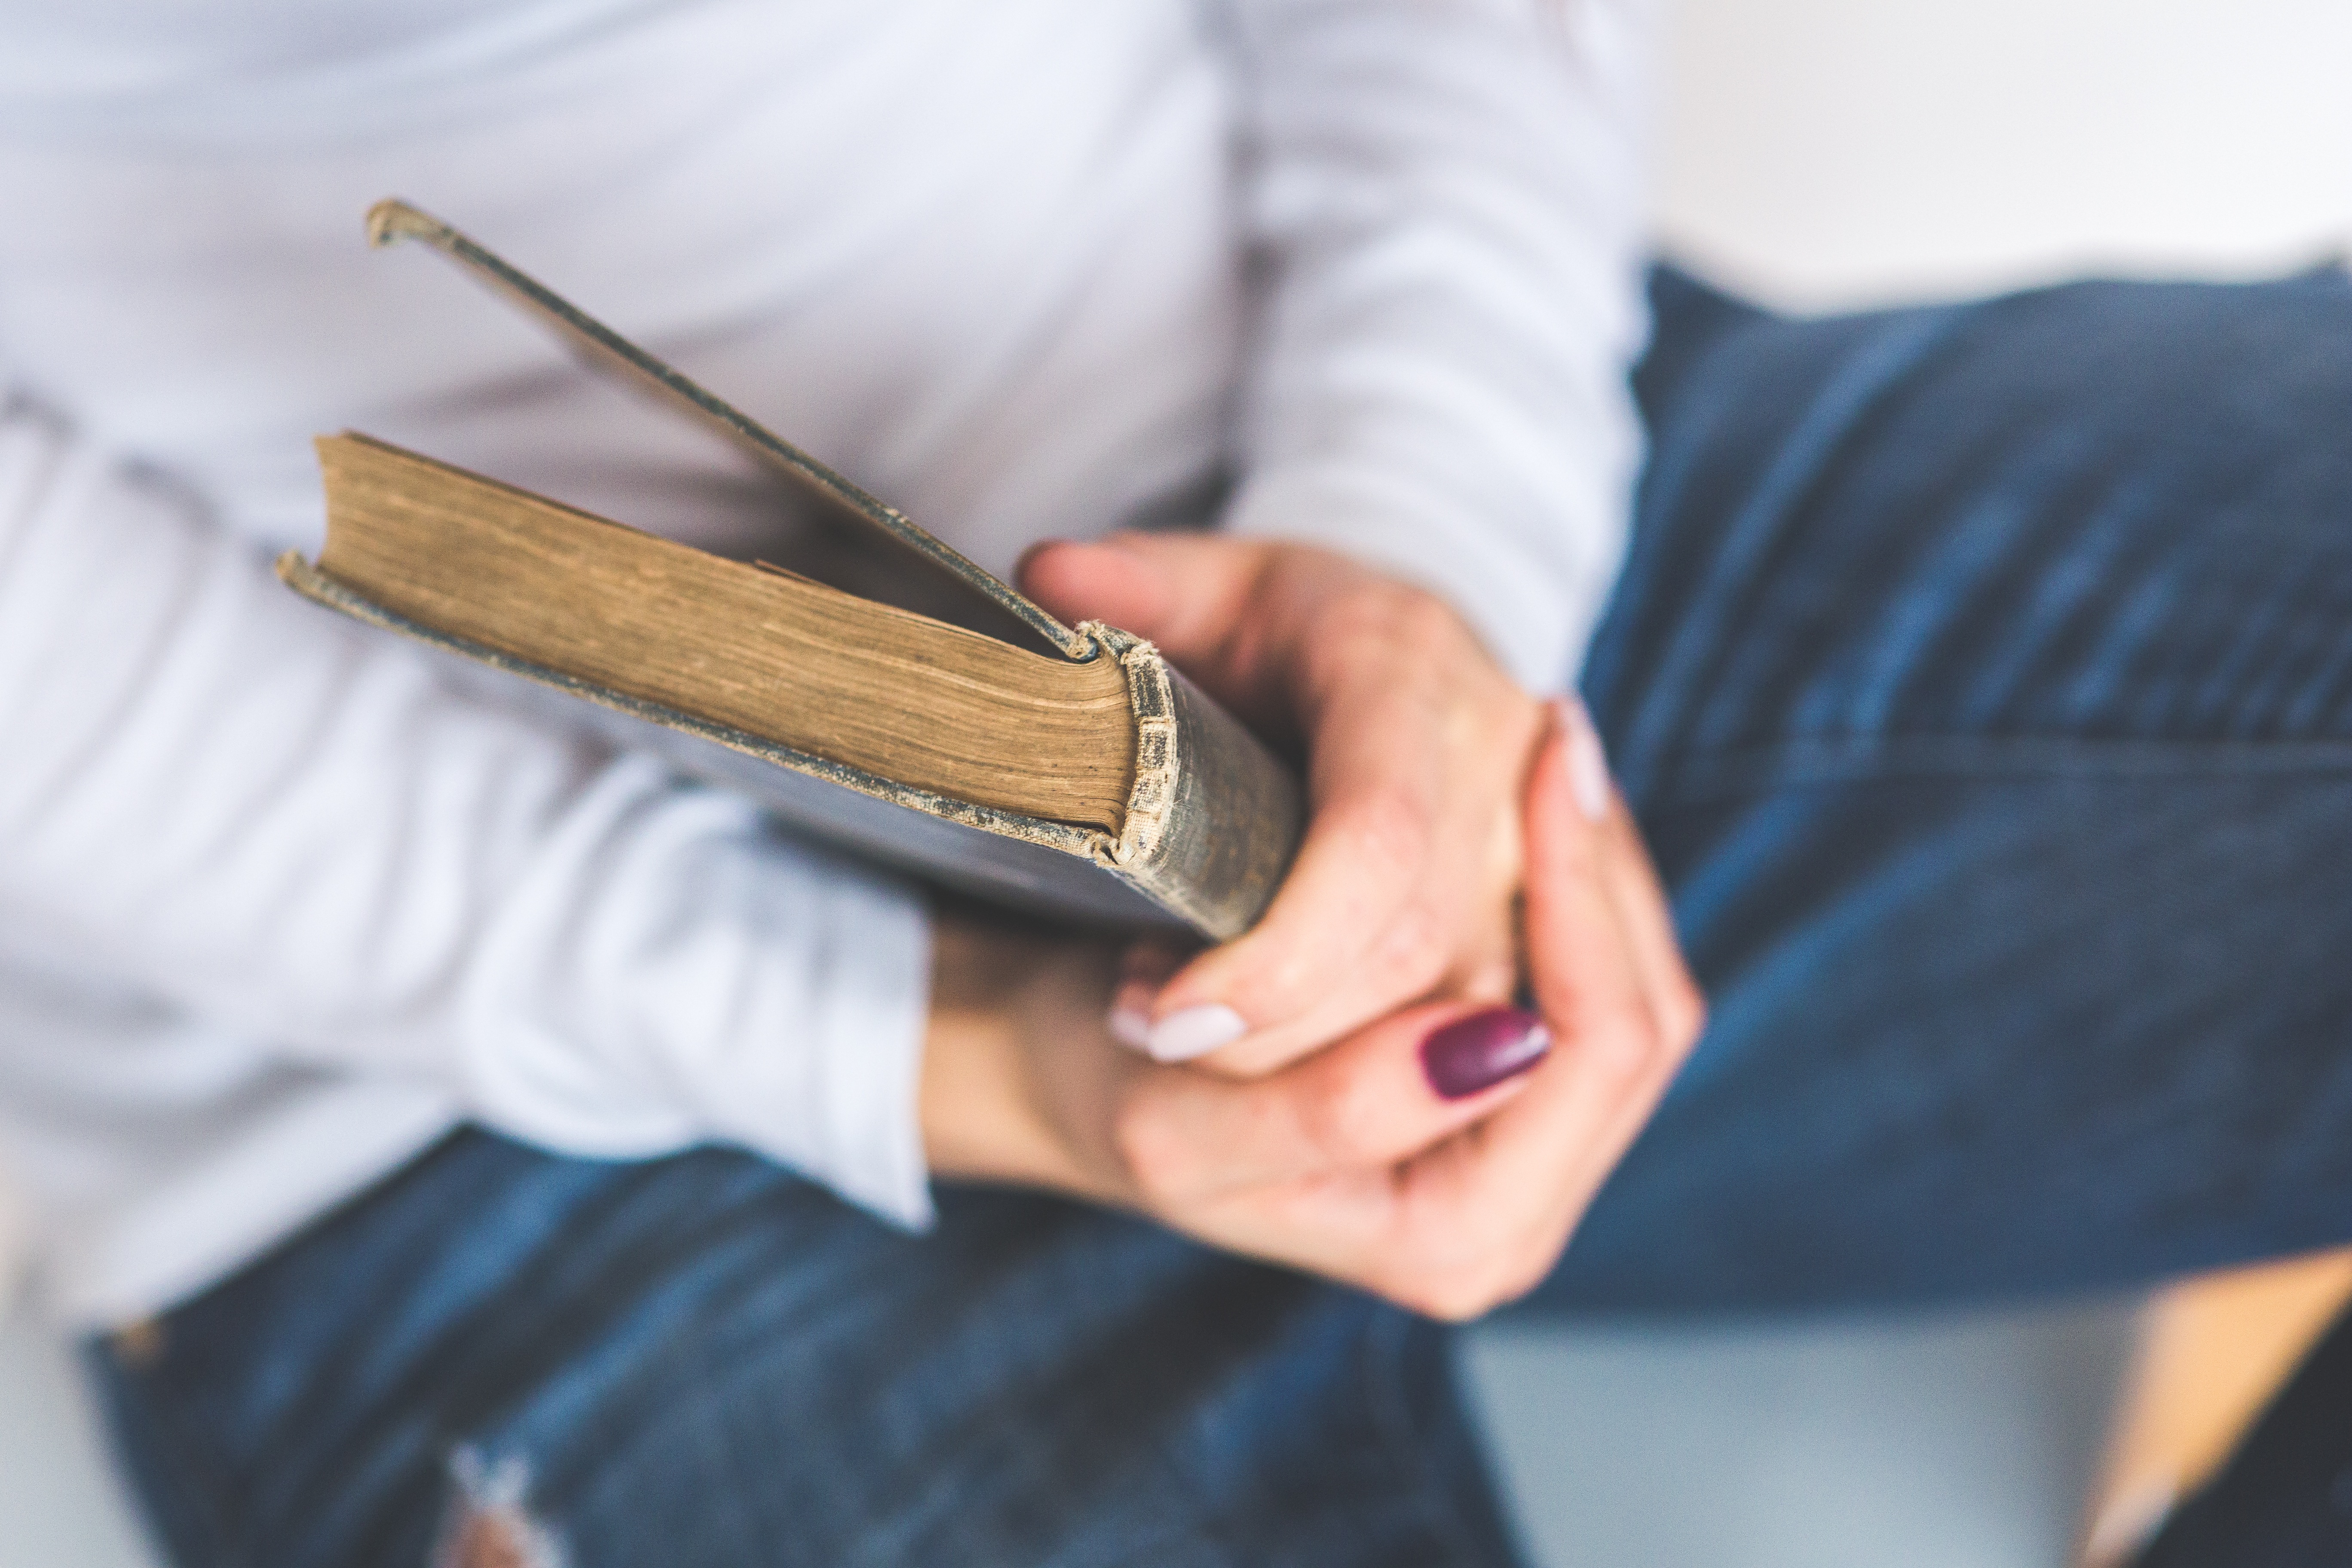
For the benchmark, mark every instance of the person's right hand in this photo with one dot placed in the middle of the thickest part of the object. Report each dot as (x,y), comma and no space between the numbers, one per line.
(1415,743)
(1439,1157)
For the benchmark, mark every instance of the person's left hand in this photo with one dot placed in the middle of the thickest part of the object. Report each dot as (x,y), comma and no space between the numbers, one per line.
(1417,746)
(1440,1156)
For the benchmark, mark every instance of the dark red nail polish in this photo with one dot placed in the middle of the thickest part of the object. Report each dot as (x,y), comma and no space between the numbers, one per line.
(1481,1050)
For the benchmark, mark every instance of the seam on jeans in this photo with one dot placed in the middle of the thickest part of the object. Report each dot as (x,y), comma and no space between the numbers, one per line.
(1858,388)
(2023,758)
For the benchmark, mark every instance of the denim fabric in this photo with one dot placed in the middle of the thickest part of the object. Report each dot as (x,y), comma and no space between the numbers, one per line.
(1982,675)
(704,1360)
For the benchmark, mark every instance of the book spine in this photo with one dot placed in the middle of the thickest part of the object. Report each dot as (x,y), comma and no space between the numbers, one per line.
(1212,817)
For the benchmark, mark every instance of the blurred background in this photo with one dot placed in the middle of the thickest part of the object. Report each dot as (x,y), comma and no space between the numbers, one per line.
(1817,154)
(1828,153)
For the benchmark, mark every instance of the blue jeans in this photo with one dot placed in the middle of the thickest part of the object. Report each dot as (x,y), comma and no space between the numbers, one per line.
(1982,676)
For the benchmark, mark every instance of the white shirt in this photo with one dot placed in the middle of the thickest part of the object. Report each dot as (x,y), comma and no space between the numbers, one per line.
(280,903)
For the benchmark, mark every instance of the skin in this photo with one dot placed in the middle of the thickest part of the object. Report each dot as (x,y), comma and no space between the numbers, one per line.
(1445,834)
(1415,743)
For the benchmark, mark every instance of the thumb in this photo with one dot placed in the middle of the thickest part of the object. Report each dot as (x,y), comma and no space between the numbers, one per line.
(1183,594)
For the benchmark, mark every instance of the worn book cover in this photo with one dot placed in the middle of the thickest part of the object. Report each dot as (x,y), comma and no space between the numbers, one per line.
(1066,771)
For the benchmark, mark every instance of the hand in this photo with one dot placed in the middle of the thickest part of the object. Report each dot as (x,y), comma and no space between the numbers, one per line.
(1440,1156)
(1416,744)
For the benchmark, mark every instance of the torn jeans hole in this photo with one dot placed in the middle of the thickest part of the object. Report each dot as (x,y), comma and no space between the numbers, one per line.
(489,1524)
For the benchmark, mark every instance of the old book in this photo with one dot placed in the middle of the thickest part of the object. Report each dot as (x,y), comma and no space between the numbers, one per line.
(1068,771)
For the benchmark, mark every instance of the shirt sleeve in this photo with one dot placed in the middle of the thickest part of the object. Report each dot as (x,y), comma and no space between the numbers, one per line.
(1444,201)
(296,829)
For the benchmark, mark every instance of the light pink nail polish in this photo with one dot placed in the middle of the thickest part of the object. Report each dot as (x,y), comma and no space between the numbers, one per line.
(1131,1027)
(1587,765)
(1194,1032)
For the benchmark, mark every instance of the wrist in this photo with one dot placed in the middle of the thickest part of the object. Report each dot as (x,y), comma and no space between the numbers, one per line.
(987,1102)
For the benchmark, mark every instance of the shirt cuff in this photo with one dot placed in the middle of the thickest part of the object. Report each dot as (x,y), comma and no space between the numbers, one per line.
(679,970)
(881,1015)
(868,989)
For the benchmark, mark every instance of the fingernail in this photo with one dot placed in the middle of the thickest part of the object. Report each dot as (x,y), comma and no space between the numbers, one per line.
(1131,1027)
(1587,765)
(1194,1032)
(1130,1012)
(1480,1051)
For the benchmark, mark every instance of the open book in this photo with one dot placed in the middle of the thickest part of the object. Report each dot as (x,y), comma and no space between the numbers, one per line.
(1080,776)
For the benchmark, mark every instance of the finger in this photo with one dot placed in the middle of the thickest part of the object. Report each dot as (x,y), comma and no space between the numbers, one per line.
(1185,595)
(1482,1216)
(1137,584)
(1580,962)
(1675,1001)
(1144,970)
(1402,879)
(1339,900)
(1479,1216)
(1401,886)
(1632,880)
(1386,1092)
(1343,941)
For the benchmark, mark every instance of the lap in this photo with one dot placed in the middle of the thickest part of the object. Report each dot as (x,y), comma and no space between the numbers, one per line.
(706,1360)
(1982,676)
